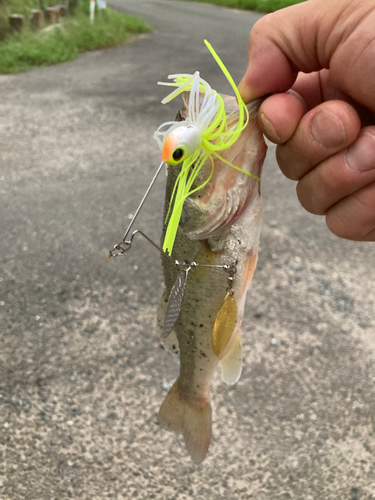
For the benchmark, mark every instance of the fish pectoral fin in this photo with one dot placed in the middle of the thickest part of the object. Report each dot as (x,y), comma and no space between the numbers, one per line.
(183,416)
(231,364)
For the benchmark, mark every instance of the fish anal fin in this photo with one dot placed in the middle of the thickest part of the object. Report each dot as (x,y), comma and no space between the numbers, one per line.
(250,265)
(231,363)
(190,418)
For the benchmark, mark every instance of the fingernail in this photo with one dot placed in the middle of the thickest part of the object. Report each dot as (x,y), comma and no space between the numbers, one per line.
(327,129)
(360,157)
(269,129)
(245,92)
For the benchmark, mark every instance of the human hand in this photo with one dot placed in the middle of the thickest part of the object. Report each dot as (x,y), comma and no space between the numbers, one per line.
(317,58)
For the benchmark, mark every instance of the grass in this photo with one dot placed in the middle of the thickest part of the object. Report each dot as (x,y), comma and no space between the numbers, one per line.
(22,51)
(23,7)
(259,5)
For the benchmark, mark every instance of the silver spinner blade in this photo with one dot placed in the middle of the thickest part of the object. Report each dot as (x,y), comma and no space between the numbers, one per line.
(174,302)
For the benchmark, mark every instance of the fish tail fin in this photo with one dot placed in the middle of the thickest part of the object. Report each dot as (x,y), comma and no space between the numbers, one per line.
(181,415)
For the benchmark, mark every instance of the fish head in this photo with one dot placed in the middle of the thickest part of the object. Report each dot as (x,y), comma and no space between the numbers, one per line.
(181,143)
(223,200)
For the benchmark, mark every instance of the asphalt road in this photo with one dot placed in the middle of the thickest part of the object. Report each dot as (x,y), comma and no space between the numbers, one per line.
(81,372)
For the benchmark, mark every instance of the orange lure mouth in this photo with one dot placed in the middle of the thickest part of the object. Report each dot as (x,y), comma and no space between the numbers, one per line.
(168,148)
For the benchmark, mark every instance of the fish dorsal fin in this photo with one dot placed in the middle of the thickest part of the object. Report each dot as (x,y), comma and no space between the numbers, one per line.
(231,364)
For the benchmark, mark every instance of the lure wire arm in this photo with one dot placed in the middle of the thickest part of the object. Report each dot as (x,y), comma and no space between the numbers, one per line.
(118,250)
(125,245)
(231,269)
(185,266)
(138,231)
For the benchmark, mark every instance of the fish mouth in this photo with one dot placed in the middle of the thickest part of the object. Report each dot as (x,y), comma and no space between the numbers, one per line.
(214,208)
(226,197)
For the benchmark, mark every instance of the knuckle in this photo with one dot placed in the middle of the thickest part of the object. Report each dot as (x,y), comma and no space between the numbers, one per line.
(338,226)
(289,165)
(360,156)
(310,198)
(354,217)
(260,26)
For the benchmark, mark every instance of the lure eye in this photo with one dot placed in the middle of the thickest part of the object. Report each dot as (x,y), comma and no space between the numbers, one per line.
(181,143)
(178,154)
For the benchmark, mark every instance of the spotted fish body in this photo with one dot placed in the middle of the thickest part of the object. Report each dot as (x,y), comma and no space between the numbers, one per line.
(219,224)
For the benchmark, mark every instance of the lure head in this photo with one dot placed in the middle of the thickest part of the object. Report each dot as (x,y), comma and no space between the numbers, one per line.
(181,143)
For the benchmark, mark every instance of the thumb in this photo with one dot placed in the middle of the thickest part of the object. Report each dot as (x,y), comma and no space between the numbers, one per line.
(303,37)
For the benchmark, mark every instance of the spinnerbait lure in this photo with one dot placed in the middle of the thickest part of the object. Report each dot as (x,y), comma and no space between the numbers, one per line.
(199,138)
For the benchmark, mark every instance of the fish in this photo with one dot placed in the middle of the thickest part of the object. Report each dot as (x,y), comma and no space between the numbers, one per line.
(219,225)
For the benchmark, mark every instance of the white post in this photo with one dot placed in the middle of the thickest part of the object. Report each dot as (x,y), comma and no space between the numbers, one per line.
(92,10)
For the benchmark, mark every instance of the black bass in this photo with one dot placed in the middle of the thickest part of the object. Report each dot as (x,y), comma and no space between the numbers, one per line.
(219,224)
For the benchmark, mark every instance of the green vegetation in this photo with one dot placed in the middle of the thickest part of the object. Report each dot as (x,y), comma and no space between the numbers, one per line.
(259,5)
(21,51)
(23,7)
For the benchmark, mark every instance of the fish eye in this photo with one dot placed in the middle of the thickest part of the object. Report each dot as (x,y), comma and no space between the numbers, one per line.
(178,154)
